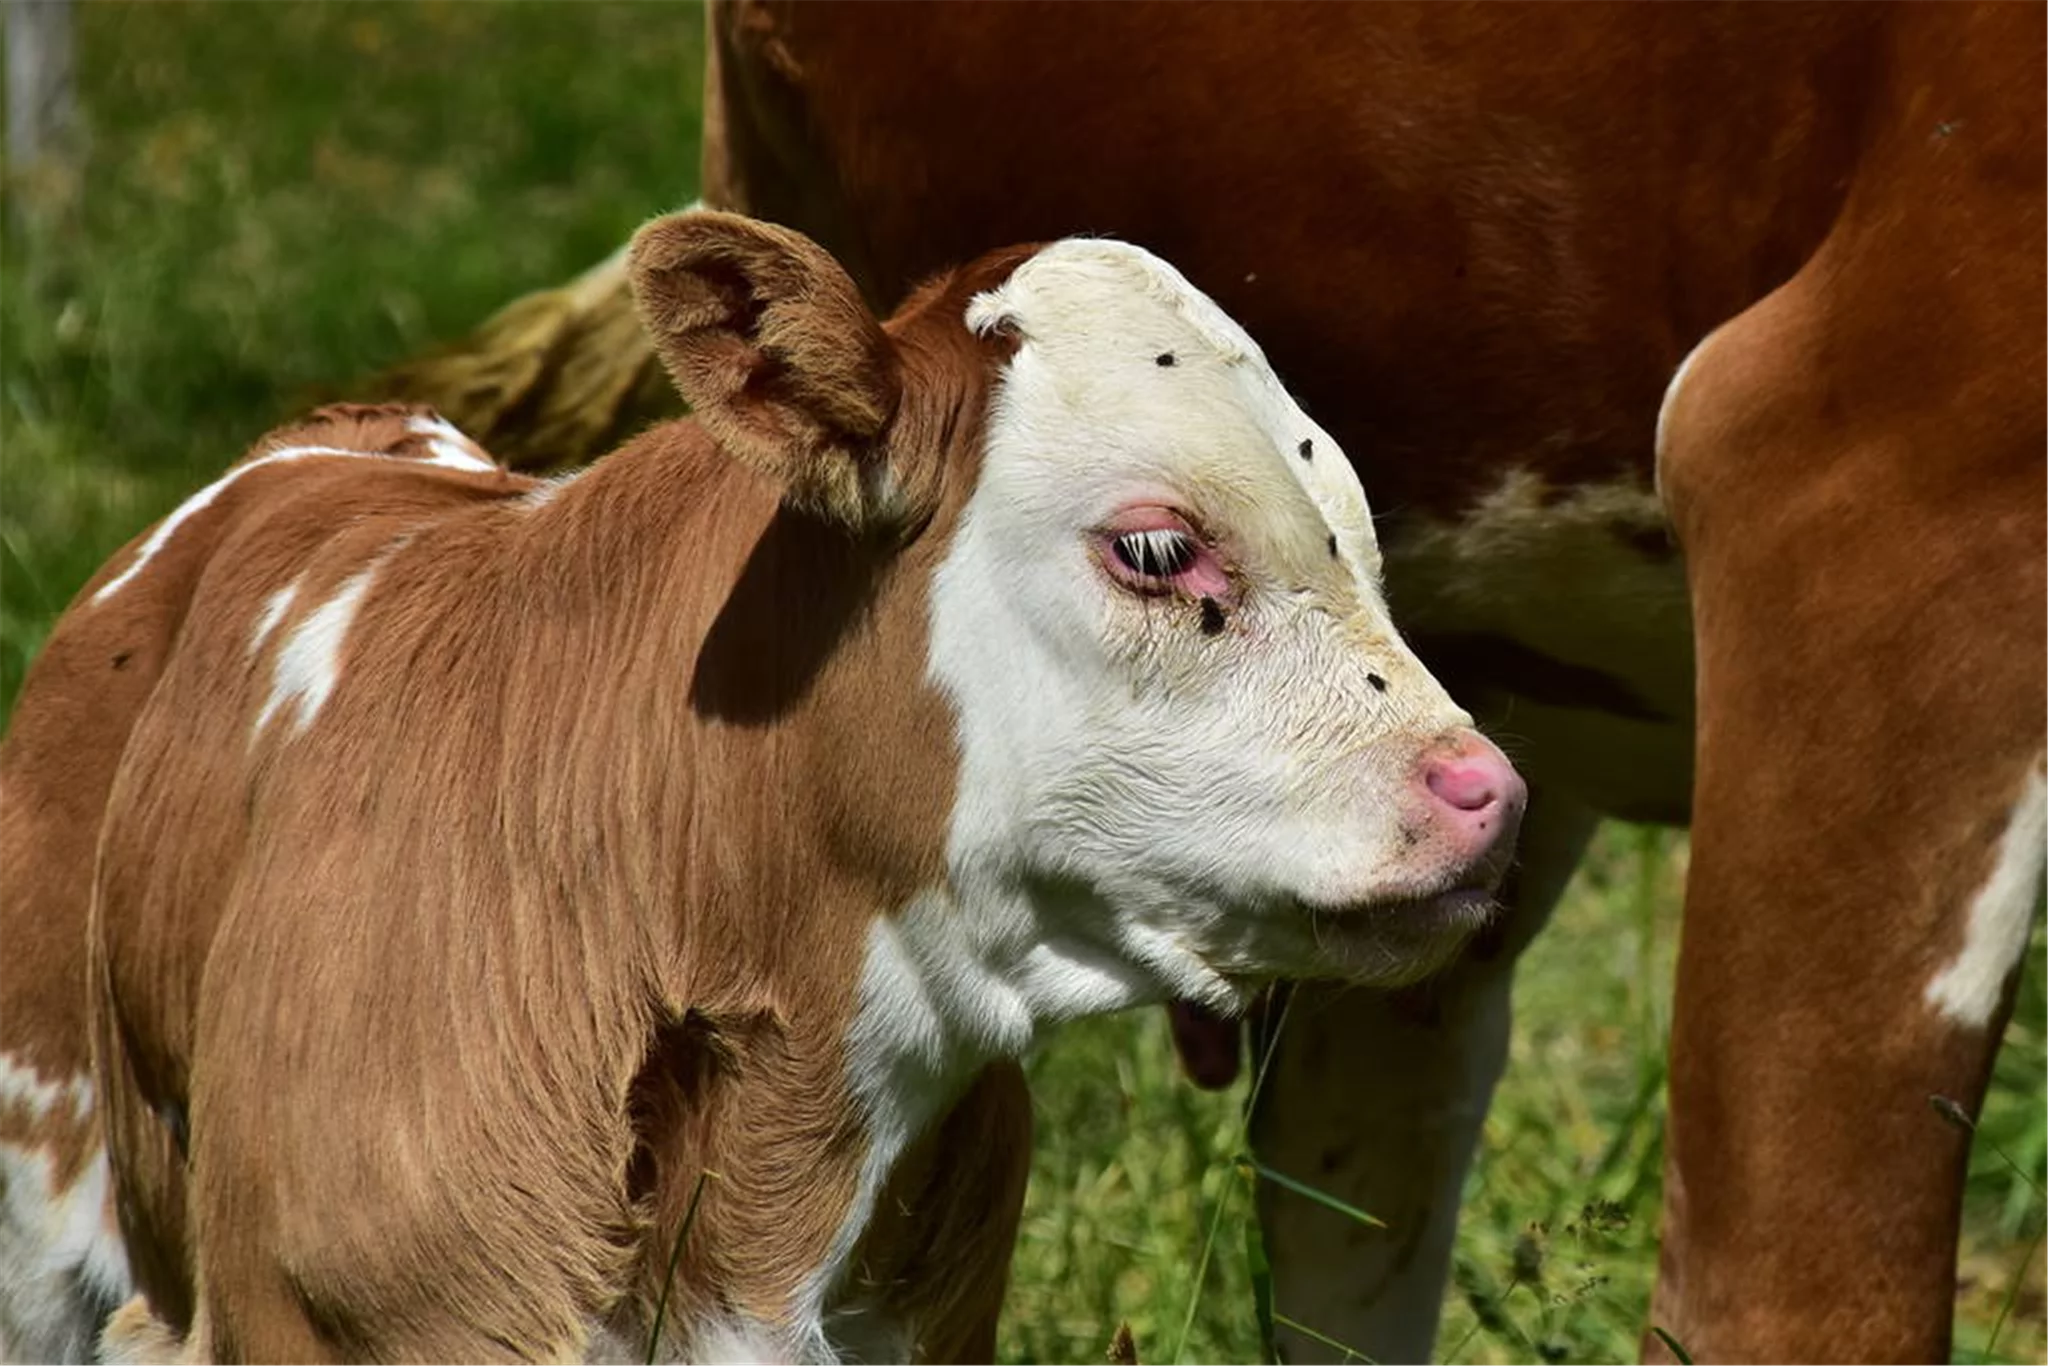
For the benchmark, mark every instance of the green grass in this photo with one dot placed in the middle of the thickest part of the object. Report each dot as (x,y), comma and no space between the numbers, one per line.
(1557,1251)
(281,197)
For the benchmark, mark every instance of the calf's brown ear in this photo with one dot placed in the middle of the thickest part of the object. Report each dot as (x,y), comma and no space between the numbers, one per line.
(777,356)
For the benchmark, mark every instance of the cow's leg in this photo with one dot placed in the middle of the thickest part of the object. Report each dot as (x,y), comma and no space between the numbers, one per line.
(1377,1098)
(1855,470)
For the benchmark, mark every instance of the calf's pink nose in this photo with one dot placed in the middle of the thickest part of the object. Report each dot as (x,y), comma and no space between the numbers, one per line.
(1474,777)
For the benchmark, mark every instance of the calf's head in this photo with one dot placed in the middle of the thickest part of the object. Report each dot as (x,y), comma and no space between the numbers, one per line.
(1193,752)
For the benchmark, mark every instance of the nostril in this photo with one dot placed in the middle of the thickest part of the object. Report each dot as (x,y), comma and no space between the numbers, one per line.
(1466,785)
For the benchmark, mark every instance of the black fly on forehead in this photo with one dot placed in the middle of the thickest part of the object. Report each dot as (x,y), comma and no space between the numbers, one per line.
(1212,617)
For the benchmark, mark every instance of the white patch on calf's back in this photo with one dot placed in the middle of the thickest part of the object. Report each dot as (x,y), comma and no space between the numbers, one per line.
(1969,989)
(203,499)
(274,609)
(452,450)
(309,662)
(543,492)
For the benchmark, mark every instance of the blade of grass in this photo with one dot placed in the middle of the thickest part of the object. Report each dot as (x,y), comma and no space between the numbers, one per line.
(1952,1112)
(1187,1323)
(1350,1353)
(2012,1295)
(1262,1288)
(1306,1191)
(1677,1348)
(675,1255)
(1479,1318)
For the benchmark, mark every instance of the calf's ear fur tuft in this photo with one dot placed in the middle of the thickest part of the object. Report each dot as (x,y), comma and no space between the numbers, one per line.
(778,357)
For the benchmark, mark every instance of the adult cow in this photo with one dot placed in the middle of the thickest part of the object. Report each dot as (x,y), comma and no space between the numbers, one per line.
(1479,241)
(481,860)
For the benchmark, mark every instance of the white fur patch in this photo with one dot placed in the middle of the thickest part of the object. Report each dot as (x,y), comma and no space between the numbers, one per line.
(543,493)
(736,1342)
(203,499)
(21,1086)
(452,450)
(1671,390)
(906,1056)
(944,989)
(1969,989)
(1048,298)
(717,1342)
(274,609)
(309,662)
(1162,793)
(62,1265)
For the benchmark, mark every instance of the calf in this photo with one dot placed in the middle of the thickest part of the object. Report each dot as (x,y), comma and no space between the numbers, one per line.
(518,902)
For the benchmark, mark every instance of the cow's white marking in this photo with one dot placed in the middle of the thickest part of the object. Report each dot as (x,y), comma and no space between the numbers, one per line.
(946,987)
(62,1265)
(21,1086)
(1970,987)
(729,1341)
(274,609)
(309,662)
(543,493)
(451,448)
(738,1342)
(1664,409)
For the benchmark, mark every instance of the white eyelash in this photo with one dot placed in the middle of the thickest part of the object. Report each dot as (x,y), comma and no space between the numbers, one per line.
(1158,554)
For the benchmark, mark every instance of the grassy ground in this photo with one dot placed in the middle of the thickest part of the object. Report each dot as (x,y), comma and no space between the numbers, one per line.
(279,197)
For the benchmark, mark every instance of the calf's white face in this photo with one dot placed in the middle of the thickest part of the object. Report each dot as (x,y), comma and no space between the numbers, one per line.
(1193,744)
(1194,752)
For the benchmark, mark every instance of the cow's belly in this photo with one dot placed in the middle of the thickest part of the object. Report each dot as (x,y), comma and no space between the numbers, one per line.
(1559,618)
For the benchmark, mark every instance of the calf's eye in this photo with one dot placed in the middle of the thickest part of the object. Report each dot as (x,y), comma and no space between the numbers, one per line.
(1158,554)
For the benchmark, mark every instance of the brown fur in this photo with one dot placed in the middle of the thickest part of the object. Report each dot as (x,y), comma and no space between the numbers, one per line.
(561,899)
(58,762)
